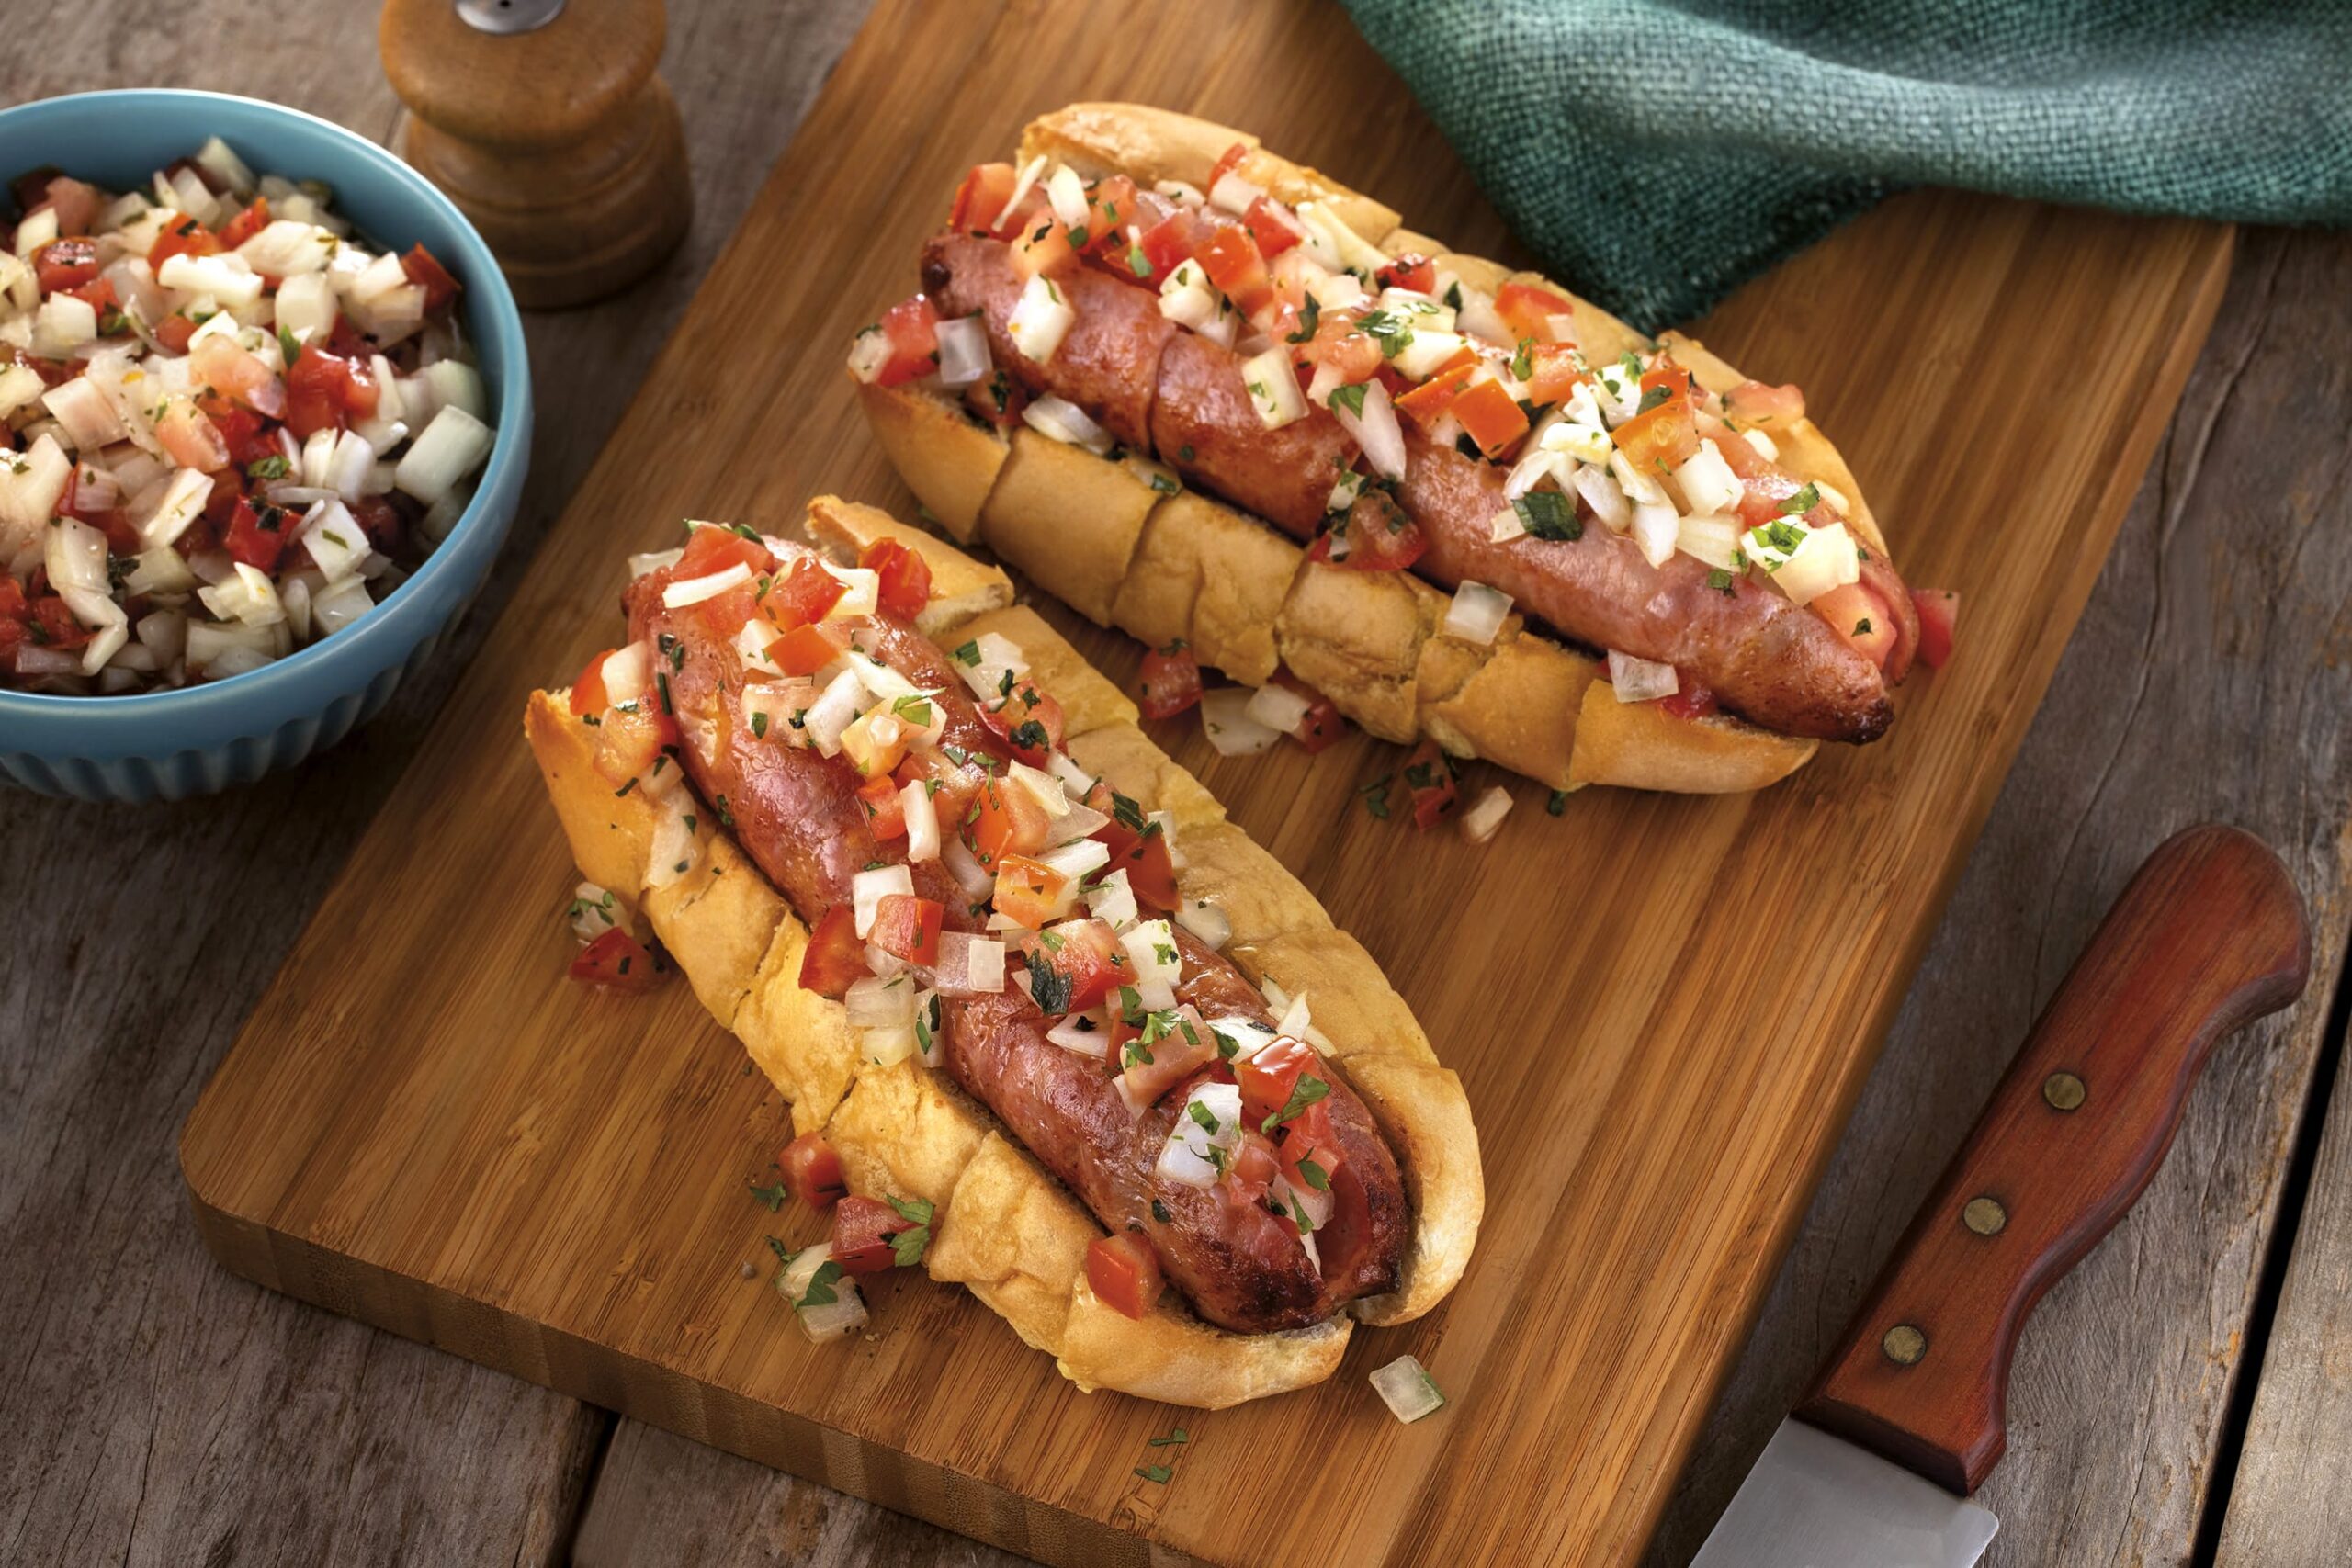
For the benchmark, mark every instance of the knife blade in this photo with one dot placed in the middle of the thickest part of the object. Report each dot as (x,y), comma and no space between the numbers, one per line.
(1905,1419)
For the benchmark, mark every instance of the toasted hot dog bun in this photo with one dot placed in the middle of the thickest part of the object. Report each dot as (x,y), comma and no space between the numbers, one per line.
(1099,533)
(1006,1229)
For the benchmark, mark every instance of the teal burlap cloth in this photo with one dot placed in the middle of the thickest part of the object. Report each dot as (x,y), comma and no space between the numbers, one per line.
(1656,155)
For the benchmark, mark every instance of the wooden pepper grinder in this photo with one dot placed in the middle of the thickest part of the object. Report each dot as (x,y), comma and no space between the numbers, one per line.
(545,122)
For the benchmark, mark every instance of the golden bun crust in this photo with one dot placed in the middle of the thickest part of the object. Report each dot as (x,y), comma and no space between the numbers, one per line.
(1004,1228)
(1158,566)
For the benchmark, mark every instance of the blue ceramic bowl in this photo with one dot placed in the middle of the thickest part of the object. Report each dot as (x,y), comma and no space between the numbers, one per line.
(168,745)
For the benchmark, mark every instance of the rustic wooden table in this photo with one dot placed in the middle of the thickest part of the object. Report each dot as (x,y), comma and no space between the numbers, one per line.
(2182,1393)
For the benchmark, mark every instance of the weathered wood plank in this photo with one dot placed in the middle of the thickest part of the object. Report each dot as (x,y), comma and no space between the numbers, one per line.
(2290,1500)
(157,1408)
(2206,679)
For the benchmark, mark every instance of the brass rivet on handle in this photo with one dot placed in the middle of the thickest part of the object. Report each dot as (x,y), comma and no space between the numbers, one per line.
(1985,1216)
(1904,1345)
(2063,1091)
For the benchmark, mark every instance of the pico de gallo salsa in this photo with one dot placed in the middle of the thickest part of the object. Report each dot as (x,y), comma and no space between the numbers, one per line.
(229,427)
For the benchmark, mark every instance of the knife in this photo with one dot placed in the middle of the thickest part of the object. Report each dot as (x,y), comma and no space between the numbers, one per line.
(1874,1468)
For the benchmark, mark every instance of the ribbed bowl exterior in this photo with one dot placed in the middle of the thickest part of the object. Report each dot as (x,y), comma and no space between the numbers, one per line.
(173,745)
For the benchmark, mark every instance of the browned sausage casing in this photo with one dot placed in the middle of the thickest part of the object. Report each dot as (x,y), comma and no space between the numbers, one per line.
(1767,657)
(796,814)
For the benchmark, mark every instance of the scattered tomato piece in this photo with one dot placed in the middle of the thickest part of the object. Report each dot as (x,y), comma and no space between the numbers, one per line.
(1124,1271)
(618,961)
(813,1170)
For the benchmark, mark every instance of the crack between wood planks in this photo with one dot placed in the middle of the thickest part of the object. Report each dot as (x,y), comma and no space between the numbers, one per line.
(2270,1281)
(565,1537)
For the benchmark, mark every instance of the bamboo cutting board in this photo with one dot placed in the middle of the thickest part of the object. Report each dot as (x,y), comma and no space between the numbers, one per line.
(1661,1008)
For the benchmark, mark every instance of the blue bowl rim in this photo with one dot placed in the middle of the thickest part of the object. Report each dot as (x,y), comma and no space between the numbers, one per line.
(376,635)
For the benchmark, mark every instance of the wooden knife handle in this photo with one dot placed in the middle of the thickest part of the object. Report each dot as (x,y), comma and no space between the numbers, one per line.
(2209,936)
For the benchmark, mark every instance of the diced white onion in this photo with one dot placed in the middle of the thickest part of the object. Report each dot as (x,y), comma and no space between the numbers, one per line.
(1065,422)
(1765,445)
(1151,951)
(963,352)
(993,656)
(1203,919)
(653,561)
(1225,718)
(1081,1032)
(1425,350)
(1825,558)
(1534,469)
(1407,1391)
(1506,525)
(447,450)
(1638,485)
(874,1002)
(1077,860)
(677,595)
(861,592)
(1641,679)
(968,965)
(825,1320)
(1606,498)
(1656,525)
(1028,178)
(1200,1140)
(1376,431)
(1232,194)
(1112,900)
(227,276)
(833,711)
(1476,613)
(1066,194)
(334,541)
(75,554)
(1278,707)
(182,504)
(1273,389)
(86,415)
(922,820)
(1486,814)
(306,307)
(1038,322)
(1707,481)
(974,879)
(1710,538)
(339,607)
(869,889)
(63,324)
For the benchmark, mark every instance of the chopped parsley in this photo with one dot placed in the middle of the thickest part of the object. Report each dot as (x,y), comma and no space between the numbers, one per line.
(1315,1176)
(1802,502)
(907,1246)
(760,724)
(772,1196)
(1305,1092)
(820,1286)
(1155,1474)
(1522,362)
(1549,515)
(1163,483)
(1159,1212)
(1720,580)
(1349,398)
(1558,803)
(1307,318)
(1863,626)
(1653,398)
(1375,796)
(1391,331)
(1178,1436)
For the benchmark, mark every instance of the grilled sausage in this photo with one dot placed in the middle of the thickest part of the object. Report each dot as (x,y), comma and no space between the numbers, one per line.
(1765,657)
(796,814)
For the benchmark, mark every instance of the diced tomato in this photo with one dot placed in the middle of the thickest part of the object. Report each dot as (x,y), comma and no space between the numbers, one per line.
(1528,311)
(1692,698)
(76,203)
(1860,617)
(1938,618)
(912,327)
(65,265)
(1041,249)
(1426,402)
(1251,1168)
(245,224)
(981,196)
(424,269)
(121,538)
(1308,1140)
(1171,681)
(905,576)
(1554,373)
(1028,892)
(1008,822)
(53,624)
(1142,852)
(1673,378)
(1759,403)
(861,1231)
(173,332)
(802,596)
(1227,162)
(886,814)
(1764,485)
(803,651)
(98,294)
(325,390)
(908,926)
(1412,270)
(1123,1273)
(589,697)
(835,955)
(1322,724)
(1110,207)
(1270,227)
(1663,438)
(1085,959)
(1172,241)
(1268,1079)
(1231,259)
(1149,1071)
(712,550)
(1489,415)
(182,236)
(1350,354)
(813,1170)
(1029,721)
(1376,535)
(380,521)
(256,536)
(615,960)
(629,744)
(1429,774)
(191,439)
